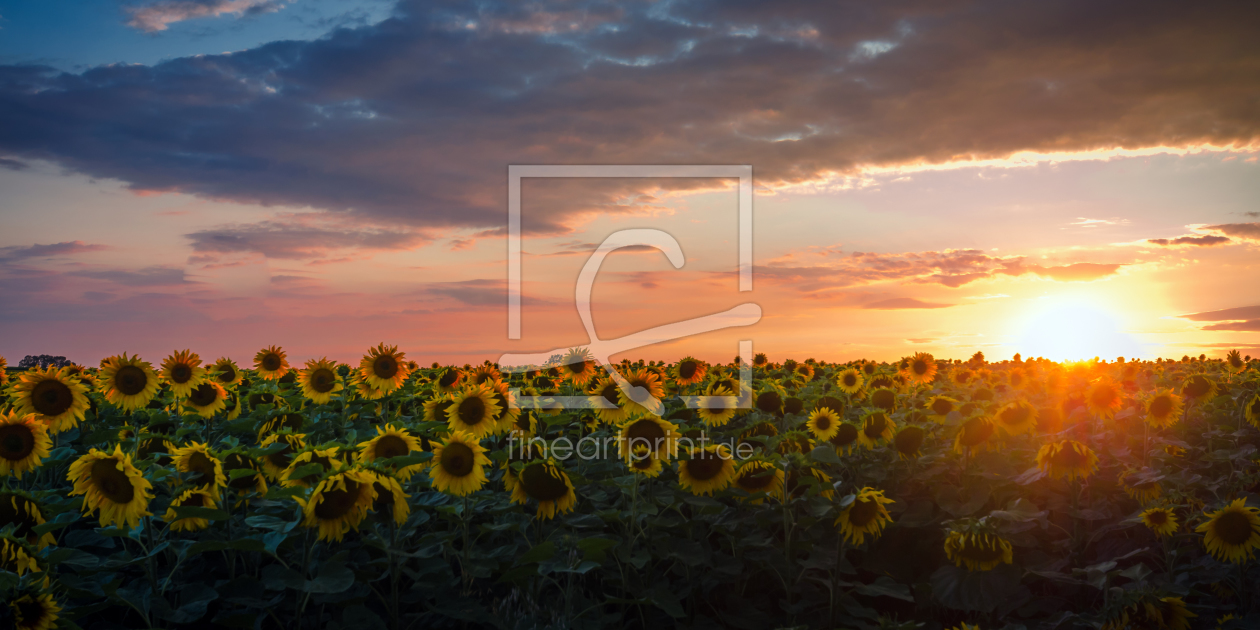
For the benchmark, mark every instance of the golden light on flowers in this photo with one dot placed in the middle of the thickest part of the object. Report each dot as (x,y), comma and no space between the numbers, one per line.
(757,475)
(876,426)
(548,484)
(1163,409)
(978,551)
(578,366)
(225,372)
(384,368)
(1161,520)
(714,410)
(320,381)
(866,516)
(1232,533)
(707,470)
(23,513)
(650,384)
(24,444)
(849,381)
(207,399)
(196,459)
(458,466)
(449,380)
(1103,398)
(473,411)
(111,484)
(271,364)
(962,376)
(1234,361)
(823,423)
(34,612)
(1198,387)
(921,368)
(658,435)
(938,407)
(338,503)
(391,441)
(1017,417)
(689,371)
(974,435)
(196,497)
(1067,459)
(183,372)
(57,398)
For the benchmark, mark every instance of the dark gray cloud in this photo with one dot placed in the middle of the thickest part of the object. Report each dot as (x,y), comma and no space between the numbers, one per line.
(413,121)
(296,241)
(68,248)
(1228,314)
(1250,325)
(1201,241)
(13,165)
(148,277)
(1249,231)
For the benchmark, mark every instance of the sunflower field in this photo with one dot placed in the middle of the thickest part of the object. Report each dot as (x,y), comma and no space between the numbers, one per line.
(919,494)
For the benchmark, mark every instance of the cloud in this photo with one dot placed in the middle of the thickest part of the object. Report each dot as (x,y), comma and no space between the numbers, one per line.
(1078,272)
(1239,313)
(298,241)
(411,121)
(148,277)
(1250,325)
(13,165)
(903,303)
(1201,241)
(1248,231)
(158,16)
(67,248)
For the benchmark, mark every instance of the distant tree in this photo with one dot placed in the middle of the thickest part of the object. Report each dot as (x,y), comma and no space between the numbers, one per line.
(43,361)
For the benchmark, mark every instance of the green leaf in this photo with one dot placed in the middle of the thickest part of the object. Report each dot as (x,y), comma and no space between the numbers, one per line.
(307,470)
(264,521)
(237,473)
(595,548)
(538,553)
(333,577)
(411,459)
(886,587)
(210,514)
(825,454)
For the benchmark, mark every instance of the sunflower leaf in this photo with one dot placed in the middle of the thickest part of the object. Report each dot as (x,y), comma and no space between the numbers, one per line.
(210,514)
(237,473)
(595,548)
(307,470)
(825,455)
(538,553)
(411,459)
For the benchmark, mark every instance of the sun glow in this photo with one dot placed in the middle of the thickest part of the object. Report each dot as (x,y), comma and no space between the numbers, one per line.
(1069,329)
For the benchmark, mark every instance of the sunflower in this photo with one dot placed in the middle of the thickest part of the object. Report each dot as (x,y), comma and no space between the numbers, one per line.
(34,612)
(1232,534)
(390,498)
(707,470)
(713,408)
(449,380)
(866,515)
(127,382)
(978,551)
(255,480)
(650,382)
(24,444)
(939,408)
(1161,520)
(974,435)
(770,400)
(908,441)
(208,399)
(1251,411)
(196,497)
(823,423)
(545,482)
(642,462)
(435,408)
(1103,398)
(760,359)
(1067,459)
(292,421)
(1163,409)
(578,366)
(391,441)
(962,376)
(473,411)
(225,372)
(271,363)
(1198,387)
(327,459)
(4,372)
(876,426)
(1152,611)
(157,448)
(795,442)
(110,483)
(508,408)
(384,368)
(458,466)
(849,381)
(688,371)
(884,398)
(319,380)
(1018,416)
(197,460)
(23,513)
(844,439)
(363,388)
(183,372)
(658,435)
(338,503)
(1017,378)
(757,475)
(55,397)
(793,487)
(1234,361)
(1138,487)
(274,463)
(921,368)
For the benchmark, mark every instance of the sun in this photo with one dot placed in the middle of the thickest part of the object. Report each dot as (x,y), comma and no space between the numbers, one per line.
(1070,328)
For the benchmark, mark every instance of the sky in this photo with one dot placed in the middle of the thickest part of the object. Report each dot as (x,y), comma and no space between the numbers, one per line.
(1057,179)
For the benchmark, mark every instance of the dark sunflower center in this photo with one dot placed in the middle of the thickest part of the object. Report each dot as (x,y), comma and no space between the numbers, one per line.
(471,410)
(338,503)
(200,464)
(822,422)
(1068,457)
(909,440)
(281,458)
(704,467)
(577,367)
(52,397)
(875,426)
(227,373)
(687,369)
(850,380)
(715,405)
(203,396)
(1233,527)
(768,402)
(384,501)
(323,380)
(31,612)
(271,362)
(457,459)
(111,482)
(195,499)
(391,446)
(16,442)
(1103,396)
(1161,406)
(980,552)
(845,435)
(130,380)
(919,367)
(448,378)
(1157,518)
(976,431)
(181,373)
(884,399)
(863,512)
(758,478)
(236,461)
(942,407)
(645,430)
(1014,415)
(385,367)
(542,483)
(1197,387)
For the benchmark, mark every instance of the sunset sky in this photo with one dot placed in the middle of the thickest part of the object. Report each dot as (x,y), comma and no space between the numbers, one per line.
(1062,179)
